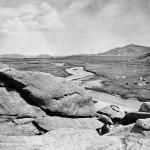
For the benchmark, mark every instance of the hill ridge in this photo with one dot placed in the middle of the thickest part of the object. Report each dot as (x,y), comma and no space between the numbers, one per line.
(130,49)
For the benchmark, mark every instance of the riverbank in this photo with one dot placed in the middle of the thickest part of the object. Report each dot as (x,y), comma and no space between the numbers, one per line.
(83,78)
(127,79)
(104,99)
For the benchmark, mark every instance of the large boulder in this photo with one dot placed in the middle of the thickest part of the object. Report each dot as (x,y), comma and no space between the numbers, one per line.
(143,123)
(132,117)
(62,139)
(53,94)
(13,104)
(145,107)
(112,111)
(53,123)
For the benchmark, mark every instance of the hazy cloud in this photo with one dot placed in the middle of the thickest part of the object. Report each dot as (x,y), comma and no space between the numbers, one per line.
(72,26)
(23,29)
(15,12)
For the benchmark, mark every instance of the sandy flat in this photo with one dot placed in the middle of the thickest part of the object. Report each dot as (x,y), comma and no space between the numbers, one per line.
(131,104)
(100,104)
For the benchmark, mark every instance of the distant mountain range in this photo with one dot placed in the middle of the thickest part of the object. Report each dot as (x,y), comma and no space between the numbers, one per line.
(24,56)
(128,50)
(12,56)
(119,51)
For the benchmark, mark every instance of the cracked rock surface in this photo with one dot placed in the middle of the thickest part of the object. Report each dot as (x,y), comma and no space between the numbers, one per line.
(53,123)
(53,94)
(13,104)
(62,139)
(41,112)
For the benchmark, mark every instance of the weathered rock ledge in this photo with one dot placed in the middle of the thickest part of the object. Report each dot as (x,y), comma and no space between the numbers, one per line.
(41,112)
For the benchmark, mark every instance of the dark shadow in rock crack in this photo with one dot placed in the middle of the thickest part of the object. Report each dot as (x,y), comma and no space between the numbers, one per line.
(41,130)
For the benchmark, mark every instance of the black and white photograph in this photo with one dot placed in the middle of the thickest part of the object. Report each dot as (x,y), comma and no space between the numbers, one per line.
(74,74)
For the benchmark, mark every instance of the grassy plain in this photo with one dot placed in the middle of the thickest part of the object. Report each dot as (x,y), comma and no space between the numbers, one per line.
(106,67)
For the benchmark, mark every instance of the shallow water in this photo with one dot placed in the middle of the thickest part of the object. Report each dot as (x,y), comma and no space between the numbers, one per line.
(78,73)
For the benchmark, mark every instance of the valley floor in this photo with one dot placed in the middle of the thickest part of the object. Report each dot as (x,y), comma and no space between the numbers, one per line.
(119,74)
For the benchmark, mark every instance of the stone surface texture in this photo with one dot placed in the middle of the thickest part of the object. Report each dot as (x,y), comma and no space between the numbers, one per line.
(53,94)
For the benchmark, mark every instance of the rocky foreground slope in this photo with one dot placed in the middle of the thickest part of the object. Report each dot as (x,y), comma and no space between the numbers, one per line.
(41,112)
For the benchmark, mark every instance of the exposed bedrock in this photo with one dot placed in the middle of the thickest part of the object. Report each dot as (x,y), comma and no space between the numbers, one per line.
(61,139)
(55,95)
(12,105)
(71,121)
(53,123)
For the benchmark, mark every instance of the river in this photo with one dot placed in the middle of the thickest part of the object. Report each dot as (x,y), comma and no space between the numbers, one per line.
(80,77)
(78,73)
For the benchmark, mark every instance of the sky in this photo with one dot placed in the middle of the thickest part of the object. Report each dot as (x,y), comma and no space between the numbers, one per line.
(67,27)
